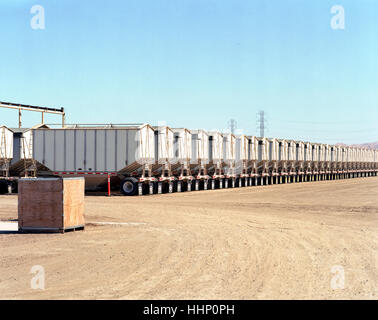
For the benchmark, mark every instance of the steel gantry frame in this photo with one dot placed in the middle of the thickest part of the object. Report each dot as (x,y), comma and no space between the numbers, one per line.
(42,110)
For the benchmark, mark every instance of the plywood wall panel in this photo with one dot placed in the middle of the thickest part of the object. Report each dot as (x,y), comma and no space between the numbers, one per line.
(56,204)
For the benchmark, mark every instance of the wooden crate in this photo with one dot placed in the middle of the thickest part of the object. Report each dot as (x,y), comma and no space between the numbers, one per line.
(50,204)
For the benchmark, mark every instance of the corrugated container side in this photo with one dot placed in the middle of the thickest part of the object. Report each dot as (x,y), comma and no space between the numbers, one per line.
(92,150)
(292,151)
(182,145)
(144,140)
(241,147)
(27,144)
(307,152)
(215,146)
(229,147)
(263,149)
(314,152)
(253,148)
(300,151)
(200,147)
(283,150)
(164,141)
(273,149)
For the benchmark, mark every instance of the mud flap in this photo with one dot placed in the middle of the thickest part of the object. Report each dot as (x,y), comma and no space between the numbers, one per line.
(140,189)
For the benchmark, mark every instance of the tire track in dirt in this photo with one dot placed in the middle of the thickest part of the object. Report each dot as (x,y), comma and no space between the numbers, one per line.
(276,242)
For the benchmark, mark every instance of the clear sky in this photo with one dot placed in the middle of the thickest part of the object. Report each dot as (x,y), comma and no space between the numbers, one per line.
(196,64)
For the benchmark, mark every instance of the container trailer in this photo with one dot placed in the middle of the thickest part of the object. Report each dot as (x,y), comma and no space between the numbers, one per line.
(283,163)
(308,172)
(273,160)
(345,162)
(183,155)
(292,156)
(215,167)
(315,163)
(229,161)
(126,152)
(253,156)
(242,160)
(6,150)
(23,163)
(300,159)
(200,158)
(146,160)
(6,156)
(164,158)
(337,155)
(263,161)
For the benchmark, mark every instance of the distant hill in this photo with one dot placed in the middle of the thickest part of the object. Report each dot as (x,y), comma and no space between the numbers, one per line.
(372,145)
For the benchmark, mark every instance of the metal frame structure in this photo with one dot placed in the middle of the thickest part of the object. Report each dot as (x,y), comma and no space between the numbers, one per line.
(42,110)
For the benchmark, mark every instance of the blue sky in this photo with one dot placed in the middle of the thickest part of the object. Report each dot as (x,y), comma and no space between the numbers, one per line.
(196,64)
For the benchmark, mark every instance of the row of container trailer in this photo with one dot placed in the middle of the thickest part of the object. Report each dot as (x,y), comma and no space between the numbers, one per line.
(145,160)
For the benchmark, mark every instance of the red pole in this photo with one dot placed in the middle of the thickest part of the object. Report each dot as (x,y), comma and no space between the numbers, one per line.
(108,185)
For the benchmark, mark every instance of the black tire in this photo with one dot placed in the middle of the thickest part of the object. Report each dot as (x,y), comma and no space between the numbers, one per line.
(14,185)
(3,186)
(129,186)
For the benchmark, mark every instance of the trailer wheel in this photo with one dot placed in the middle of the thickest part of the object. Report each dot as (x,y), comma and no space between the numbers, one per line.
(14,185)
(129,186)
(3,186)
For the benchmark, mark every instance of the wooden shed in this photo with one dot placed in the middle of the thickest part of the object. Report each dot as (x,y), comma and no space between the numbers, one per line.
(51,204)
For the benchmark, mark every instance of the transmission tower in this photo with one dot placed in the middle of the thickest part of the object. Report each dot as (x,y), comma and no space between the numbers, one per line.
(232,124)
(261,122)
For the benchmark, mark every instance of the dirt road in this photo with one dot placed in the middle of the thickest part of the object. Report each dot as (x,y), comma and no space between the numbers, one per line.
(271,242)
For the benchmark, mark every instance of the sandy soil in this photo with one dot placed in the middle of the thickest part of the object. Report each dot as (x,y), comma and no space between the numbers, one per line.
(272,242)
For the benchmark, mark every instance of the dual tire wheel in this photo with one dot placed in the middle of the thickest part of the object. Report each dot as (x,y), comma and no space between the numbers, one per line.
(129,186)
(4,185)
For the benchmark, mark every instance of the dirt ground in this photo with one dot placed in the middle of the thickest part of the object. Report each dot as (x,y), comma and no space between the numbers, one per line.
(270,242)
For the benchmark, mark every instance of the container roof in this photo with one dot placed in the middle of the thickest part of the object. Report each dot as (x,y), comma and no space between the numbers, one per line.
(19,130)
(4,126)
(180,129)
(22,130)
(99,126)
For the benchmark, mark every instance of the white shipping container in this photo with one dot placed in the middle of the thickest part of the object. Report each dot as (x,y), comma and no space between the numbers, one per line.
(300,151)
(216,146)
(283,150)
(253,148)
(263,149)
(307,151)
(292,148)
(328,153)
(164,144)
(145,138)
(337,154)
(183,145)
(241,148)
(315,152)
(273,149)
(200,147)
(95,149)
(229,147)
(322,153)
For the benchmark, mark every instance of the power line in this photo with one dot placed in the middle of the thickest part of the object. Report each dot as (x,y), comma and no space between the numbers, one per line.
(232,124)
(261,123)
